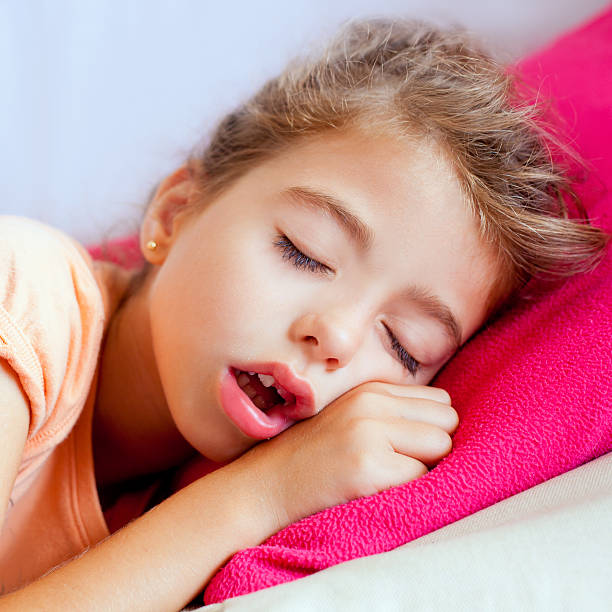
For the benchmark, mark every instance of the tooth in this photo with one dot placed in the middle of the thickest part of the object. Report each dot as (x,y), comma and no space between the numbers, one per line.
(243,379)
(252,373)
(259,402)
(266,380)
(286,395)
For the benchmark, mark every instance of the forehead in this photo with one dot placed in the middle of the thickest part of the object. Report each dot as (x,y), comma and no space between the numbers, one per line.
(385,177)
(407,184)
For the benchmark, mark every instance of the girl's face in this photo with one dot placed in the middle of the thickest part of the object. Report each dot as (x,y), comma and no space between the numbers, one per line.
(346,259)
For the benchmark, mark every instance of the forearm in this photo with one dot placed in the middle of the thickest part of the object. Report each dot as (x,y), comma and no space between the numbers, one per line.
(163,559)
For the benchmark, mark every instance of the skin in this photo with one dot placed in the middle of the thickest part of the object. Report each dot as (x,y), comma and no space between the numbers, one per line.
(221,293)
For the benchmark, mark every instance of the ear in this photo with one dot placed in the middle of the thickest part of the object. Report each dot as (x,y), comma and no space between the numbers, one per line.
(167,212)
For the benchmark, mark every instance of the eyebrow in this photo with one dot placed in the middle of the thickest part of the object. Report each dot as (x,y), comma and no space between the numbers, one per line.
(433,306)
(363,236)
(359,233)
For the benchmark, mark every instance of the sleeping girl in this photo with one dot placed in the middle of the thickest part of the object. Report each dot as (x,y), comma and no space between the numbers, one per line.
(306,275)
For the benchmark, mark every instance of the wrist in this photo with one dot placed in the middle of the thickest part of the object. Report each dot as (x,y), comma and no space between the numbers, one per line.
(250,500)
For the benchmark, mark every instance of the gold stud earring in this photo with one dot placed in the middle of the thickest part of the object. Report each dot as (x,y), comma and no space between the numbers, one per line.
(151,245)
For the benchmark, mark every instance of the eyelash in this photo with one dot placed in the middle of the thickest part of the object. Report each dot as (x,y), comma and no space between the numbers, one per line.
(303,262)
(297,258)
(408,361)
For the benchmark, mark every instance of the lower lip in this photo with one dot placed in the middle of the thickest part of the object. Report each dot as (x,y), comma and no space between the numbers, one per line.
(246,416)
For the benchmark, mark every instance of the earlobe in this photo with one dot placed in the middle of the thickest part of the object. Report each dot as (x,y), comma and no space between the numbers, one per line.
(172,201)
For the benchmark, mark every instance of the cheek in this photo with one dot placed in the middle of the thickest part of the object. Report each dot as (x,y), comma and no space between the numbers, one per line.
(240,285)
(227,290)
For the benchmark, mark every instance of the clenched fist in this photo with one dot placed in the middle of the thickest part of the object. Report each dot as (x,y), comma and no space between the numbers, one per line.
(373,437)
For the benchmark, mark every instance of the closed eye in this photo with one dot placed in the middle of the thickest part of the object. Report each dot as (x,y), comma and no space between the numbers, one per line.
(407,360)
(300,260)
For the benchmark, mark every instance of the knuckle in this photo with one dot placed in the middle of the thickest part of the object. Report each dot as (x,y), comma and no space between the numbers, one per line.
(367,396)
(419,469)
(433,438)
(357,431)
(364,466)
(443,442)
(451,418)
(360,390)
(372,386)
(413,469)
(363,401)
(441,395)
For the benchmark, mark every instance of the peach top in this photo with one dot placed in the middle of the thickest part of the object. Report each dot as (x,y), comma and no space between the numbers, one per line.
(55,304)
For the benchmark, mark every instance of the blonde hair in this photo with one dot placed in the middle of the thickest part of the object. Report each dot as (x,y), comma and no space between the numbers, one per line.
(407,78)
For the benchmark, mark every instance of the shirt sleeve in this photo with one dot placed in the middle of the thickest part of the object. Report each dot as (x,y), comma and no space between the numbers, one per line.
(51,323)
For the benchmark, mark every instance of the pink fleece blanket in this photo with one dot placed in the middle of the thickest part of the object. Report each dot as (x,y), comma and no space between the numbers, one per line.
(533,390)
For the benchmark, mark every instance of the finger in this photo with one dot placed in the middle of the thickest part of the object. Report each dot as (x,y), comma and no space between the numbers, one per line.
(421,441)
(435,394)
(413,409)
(398,469)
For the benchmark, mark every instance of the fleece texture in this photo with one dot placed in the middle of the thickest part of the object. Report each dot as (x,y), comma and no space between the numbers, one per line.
(533,390)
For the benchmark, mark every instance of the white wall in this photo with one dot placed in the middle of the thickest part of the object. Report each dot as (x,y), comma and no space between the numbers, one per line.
(101,98)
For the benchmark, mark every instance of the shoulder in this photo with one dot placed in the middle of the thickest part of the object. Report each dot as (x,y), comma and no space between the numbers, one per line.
(31,247)
(51,318)
(16,229)
(44,274)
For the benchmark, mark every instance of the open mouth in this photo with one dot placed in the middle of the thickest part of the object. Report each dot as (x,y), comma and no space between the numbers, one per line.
(263,390)
(257,405)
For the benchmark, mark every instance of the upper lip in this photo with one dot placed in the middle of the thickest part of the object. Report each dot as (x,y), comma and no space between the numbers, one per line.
(305,405)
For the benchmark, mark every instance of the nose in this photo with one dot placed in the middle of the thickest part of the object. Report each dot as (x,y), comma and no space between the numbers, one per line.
(327,337)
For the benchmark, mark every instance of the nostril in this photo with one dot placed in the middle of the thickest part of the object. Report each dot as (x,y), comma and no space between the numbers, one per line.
(311,340)
(332,362)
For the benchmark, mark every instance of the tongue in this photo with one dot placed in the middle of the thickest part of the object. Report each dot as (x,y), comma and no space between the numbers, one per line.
(269,394)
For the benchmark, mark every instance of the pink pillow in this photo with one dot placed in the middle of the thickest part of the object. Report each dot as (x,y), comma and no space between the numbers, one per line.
(122,251)
(533,390)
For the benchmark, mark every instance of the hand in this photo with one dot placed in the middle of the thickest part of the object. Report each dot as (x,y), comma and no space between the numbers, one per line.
(373,437)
